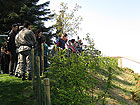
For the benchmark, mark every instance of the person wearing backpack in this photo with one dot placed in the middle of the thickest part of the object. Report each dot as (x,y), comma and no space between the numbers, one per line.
(62,41)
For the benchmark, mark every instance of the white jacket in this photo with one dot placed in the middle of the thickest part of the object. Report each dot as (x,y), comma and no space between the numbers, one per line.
(25,39)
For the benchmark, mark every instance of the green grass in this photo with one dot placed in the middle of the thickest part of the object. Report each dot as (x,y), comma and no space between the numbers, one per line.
(14,91)
(123,85)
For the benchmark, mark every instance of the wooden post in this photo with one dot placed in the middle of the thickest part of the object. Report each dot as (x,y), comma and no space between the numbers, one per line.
(42,58)
(47,90)
(39,91)
(120,62)
(38,81)
(38,64)
(32,56)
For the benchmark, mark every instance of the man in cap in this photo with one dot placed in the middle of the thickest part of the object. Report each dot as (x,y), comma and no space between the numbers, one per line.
(25,40)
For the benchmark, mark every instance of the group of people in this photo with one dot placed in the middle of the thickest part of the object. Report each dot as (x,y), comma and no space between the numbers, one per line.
(16,52)
(72,45)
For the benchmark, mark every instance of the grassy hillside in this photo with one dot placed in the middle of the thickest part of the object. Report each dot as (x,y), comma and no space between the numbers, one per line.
(14,91)
(124,85)
(86,80)
(124,88)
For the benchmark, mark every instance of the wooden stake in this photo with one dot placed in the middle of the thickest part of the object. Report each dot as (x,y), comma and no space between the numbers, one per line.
(47,90)
(42,58)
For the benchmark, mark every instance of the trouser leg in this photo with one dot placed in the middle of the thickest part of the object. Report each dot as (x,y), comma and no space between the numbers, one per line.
(40,65)
(10,65)
(21,67)
(28,67)
(18,71)
(13,63)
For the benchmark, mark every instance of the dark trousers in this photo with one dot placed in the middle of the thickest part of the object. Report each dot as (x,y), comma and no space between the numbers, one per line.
(46,62)
(13,63)
(5,59)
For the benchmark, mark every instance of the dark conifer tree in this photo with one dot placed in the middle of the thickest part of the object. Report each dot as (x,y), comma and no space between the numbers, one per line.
(17,11)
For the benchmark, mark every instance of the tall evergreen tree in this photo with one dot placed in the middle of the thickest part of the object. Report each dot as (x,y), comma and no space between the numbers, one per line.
(17,11)
(9,13)
(38,14)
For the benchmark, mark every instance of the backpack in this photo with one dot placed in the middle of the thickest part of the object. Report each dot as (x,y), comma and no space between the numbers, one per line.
(59,43)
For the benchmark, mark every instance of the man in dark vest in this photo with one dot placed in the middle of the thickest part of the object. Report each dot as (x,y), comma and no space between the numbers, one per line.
(12,49)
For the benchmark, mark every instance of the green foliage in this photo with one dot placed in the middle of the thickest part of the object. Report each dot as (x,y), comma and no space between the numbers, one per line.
(66,20)
(74,78)
(70,80)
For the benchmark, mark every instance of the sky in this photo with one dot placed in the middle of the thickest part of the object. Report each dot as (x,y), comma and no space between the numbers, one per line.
(114,25)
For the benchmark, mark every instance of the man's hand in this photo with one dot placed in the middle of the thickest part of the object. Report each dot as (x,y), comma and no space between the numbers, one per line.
(8,52)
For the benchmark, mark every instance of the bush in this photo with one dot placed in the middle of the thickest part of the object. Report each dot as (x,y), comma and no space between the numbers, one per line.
(72,78)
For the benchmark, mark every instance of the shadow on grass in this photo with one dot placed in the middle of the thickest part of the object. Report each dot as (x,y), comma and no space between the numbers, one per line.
(124,90)
(105,72)
(121,98)
(123,81)
(14,91)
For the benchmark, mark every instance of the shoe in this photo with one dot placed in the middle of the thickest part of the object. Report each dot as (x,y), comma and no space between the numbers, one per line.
(19,76)
(11,74)
(24,79)
(29,78)
(16,75)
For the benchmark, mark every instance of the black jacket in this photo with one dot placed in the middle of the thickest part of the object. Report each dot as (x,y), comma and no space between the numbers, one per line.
(11,42)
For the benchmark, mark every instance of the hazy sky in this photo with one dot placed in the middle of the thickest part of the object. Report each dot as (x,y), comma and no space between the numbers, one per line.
(113,24)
